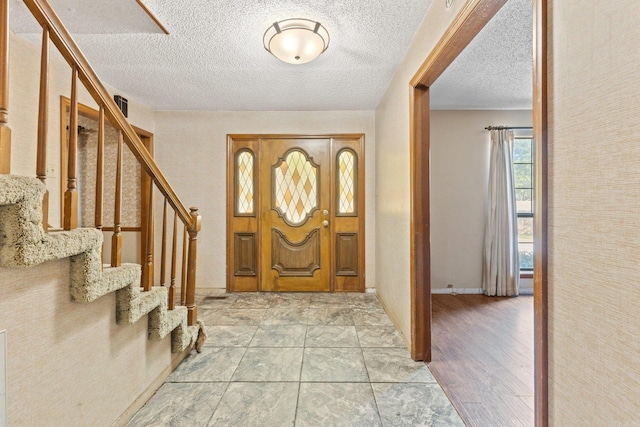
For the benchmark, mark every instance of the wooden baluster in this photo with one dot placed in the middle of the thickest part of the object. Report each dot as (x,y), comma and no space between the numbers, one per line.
(70,220)
(116,239)
(100,174)
(5,131)
(100,170)
(147,266)
(163,249)
(43,120)
(192,310)
(174,251)
(183,288)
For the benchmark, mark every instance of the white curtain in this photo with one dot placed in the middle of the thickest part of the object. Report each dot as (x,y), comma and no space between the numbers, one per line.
(501,268)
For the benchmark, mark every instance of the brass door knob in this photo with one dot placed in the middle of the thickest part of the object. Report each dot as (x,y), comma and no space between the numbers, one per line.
(325,223)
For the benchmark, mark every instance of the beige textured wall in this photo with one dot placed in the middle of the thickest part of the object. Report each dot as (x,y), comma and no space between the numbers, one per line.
(393,185)
(70,364)
(459,177)
(594,220)
(87,160)
(191,147)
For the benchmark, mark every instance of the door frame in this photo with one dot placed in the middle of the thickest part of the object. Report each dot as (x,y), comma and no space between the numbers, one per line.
(473,16)
(337,142)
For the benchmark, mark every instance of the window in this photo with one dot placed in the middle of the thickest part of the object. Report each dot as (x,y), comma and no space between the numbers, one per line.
(244,183)
(523,162)
(347,170)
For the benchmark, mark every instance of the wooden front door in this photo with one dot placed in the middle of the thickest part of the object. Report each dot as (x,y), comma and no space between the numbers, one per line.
(295,213)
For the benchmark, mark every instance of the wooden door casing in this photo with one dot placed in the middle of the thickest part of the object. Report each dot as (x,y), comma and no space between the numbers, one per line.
(339,245)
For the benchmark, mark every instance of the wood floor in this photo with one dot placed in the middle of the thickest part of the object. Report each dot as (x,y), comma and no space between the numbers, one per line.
(482,356)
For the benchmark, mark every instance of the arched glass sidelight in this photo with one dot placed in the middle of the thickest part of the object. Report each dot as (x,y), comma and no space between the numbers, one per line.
(245,184)
(347,170)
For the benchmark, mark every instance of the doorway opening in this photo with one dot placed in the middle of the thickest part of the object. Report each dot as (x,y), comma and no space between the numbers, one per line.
(472,18)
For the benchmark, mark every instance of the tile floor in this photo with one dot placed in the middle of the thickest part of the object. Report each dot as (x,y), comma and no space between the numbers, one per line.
(298,359)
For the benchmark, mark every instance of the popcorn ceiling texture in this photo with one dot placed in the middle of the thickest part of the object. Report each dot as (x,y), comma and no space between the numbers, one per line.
(95,17)
(214,59)
(495,70)
(23,243)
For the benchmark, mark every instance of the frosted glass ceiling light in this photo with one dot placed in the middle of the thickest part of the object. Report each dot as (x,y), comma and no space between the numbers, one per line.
(296,41)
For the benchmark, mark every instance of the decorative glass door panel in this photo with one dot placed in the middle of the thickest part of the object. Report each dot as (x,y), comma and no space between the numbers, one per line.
(295,187)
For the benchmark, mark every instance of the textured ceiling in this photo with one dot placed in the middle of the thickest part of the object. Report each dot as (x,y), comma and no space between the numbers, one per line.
(495,69)
(213,58)
(88,17)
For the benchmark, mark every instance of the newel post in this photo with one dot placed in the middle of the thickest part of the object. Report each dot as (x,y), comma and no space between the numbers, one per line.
(192,310)
(5,131)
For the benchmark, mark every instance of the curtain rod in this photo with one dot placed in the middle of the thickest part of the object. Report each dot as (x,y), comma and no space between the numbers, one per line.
(507,127)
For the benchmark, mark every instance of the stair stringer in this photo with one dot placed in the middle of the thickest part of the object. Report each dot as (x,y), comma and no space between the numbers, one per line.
(24,243)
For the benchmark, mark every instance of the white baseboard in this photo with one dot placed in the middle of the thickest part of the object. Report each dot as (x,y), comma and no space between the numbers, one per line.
(471,291)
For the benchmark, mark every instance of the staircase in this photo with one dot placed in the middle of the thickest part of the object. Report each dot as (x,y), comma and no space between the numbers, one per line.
(24,243)
(25,238)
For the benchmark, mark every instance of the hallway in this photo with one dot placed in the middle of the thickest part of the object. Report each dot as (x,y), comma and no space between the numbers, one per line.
(298,359)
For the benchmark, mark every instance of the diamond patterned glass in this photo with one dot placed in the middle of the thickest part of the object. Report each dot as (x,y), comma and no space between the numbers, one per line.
(244,176)
(295,187)
(346,181)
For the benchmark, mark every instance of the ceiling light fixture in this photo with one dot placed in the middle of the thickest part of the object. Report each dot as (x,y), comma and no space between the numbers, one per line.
(296,41)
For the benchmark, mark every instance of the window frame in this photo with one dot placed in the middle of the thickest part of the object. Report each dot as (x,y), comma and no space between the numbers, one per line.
(525,135)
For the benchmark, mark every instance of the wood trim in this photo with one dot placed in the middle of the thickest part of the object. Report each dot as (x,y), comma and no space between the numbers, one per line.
(153,17)
(470,20)
(540,220)
(420,231)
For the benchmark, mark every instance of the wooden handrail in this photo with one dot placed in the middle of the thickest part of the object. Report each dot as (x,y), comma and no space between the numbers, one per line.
(60,37)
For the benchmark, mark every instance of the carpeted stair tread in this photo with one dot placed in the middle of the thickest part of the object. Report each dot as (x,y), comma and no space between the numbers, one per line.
(24,243)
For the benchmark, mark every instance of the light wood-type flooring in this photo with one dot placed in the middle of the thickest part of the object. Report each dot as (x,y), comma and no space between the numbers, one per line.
(482,356)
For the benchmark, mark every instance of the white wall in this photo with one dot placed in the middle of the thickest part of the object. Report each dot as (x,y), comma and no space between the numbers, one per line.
(393,206)
(459,177)
(191,148)
(594,220)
